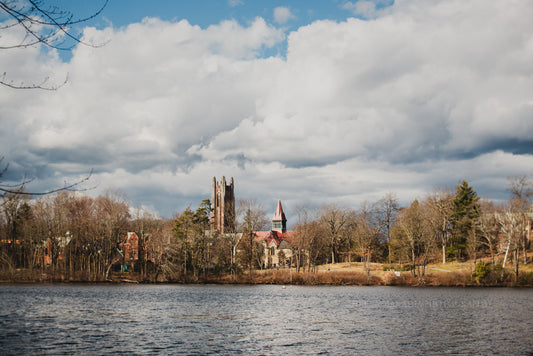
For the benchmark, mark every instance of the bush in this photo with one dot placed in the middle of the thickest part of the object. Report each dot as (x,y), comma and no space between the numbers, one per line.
(481,271)
(525,279)
(493,276)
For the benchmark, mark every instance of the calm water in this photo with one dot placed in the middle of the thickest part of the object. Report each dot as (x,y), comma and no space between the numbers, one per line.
(270,320)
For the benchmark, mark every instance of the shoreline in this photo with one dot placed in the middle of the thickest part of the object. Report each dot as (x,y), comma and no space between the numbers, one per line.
(286,278)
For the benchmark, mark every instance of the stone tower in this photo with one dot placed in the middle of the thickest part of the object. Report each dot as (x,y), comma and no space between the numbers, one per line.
(223,206)
(279,221)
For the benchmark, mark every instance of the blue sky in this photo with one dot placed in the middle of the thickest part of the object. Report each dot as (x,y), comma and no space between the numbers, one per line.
(400,97)
(288,15)
(208,12)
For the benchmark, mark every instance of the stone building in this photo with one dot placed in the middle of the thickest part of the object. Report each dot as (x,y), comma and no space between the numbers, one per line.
(276,242)
(223,206)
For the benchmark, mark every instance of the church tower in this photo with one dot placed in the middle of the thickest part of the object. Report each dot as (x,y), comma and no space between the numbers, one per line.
(223,206)
(279,221)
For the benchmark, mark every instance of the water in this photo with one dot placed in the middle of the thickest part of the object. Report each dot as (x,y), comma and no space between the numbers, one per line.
(266,320)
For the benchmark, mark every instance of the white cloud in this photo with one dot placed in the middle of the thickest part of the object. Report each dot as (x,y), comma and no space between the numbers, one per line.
(425,94)
(234,3)
(282,15)
(366,8)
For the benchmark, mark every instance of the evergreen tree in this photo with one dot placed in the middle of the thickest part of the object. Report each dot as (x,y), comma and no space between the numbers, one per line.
(466,211)
(184,232)
(203,214)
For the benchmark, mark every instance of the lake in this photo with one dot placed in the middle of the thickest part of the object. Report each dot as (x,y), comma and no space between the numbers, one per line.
(263,320)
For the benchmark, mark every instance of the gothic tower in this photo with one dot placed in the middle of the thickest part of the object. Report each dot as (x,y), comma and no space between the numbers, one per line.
(223,206)
(279,221)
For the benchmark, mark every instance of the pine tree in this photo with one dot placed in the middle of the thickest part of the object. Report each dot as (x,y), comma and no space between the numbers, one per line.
(466,211)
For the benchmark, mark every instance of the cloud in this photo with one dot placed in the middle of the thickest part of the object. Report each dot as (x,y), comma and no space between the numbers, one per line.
(234,3)
(366,9)
(425,94)
(282,15)
(394,89)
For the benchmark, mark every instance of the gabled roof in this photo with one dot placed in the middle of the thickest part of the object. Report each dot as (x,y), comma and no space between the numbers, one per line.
(130,236)
(273,236)
(279,215)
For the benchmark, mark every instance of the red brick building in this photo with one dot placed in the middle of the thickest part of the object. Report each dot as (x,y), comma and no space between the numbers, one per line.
(132,248)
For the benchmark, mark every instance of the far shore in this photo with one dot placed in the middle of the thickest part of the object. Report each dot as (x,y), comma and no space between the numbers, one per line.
(340,274)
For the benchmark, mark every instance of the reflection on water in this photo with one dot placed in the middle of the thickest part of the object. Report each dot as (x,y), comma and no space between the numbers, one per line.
(267,320)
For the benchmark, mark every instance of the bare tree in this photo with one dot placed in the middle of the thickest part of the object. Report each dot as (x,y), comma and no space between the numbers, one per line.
(37,23)
(441,206)
(252,218)
(302,237)
(489,228)
(521,189)
(386,209)
(365,236)
(512,228)
(112,215)
(51,226)
(413,224)
(317,242)
(82,225)
(333,218)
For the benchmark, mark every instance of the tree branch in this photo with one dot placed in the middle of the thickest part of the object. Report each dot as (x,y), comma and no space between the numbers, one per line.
(67,187)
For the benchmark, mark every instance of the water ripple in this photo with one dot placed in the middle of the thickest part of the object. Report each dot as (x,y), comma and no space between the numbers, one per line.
(265,320)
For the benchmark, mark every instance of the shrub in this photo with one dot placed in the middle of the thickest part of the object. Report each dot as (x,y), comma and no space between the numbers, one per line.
(525,279)
(481,271)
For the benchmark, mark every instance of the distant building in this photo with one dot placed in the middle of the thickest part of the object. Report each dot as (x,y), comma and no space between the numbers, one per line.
(55,247)
(132,248)
(223,206)
(276,242)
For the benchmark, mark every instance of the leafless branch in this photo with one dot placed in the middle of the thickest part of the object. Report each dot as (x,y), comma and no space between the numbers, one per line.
(42,85)
(44,25)
(67,187)
(18,188)
(33,16)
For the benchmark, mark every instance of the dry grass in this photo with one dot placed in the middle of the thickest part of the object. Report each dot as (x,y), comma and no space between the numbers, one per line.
(282,277)
(354,273)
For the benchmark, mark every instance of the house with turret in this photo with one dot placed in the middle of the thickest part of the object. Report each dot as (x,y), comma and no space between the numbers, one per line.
(276,242)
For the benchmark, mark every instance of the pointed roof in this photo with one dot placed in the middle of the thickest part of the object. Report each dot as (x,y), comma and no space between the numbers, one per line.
(279,215)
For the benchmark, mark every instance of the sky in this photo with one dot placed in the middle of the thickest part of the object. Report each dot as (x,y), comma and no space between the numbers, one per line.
(309,102)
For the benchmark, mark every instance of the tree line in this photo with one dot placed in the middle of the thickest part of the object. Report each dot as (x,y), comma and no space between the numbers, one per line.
(447,224)
(72,236)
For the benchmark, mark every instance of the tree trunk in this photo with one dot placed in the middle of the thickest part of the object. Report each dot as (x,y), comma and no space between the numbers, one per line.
(506,253)
(107,271)
(516,261)
(414,263)
(524,245)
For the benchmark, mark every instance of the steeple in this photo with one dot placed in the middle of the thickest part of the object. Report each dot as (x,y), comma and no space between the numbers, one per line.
(279,221)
